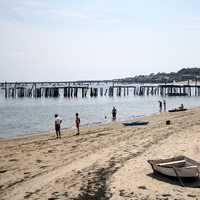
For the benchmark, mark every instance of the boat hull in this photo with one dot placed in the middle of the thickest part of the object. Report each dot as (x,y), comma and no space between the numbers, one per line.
(135,123)
(177,110)
(177,94)
(181,172)
(180,166)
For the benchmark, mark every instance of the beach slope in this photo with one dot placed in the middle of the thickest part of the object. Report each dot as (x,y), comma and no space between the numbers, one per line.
(103,162)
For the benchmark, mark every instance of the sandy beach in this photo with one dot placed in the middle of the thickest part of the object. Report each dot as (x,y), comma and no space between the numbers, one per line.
(104,162)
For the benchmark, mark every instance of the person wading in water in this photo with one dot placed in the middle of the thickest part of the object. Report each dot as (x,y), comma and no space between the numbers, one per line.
(114,113)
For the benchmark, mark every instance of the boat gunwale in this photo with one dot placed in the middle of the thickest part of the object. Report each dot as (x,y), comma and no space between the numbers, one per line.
(187,160)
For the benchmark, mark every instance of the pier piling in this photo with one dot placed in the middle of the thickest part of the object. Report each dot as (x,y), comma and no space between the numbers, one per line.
(71,90)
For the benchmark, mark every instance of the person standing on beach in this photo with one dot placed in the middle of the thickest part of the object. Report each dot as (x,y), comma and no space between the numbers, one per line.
(160,105)
(58,122)
(77,121)
(164,105)
(114,113)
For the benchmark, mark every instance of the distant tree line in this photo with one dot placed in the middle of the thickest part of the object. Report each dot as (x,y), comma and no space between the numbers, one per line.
(182,75)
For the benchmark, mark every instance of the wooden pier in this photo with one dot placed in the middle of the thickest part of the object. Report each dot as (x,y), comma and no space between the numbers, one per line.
(93,89)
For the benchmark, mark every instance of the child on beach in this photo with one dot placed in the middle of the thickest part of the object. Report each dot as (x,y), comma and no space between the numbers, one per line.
(77,121)
(58,121)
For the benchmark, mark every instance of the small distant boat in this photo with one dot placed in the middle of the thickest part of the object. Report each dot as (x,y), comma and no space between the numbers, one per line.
(137,123)
(177,110)
(177,94)
(181,167)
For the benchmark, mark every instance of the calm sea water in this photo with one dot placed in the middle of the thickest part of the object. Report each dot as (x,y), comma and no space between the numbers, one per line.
(28,115)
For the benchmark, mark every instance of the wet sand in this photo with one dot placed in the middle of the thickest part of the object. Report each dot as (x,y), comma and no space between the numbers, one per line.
(103,162)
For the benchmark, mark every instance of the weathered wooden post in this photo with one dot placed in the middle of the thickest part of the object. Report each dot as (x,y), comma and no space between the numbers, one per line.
(95,92)
(82,92)
(196,87)
(153,91)
(134,90)
(161,90)
(110,91)
(68,92)
(14,95)
(71,92)
(35,88)
(75,92)
(120,90)
(124,91)
(101,92)
(91,92)
(147,91)
(6,90)
(65,92)
(106,92)
(190,91)
(39,92)
(85,92)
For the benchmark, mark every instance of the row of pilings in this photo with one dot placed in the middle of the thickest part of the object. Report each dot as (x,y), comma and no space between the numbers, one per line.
(117,90)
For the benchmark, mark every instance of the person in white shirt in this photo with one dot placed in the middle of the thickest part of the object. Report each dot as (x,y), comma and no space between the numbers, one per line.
(58,121)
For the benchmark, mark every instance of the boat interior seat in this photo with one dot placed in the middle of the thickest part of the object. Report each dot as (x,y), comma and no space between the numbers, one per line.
(177,162)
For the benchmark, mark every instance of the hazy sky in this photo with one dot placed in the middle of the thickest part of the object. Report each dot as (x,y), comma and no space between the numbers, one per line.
(96,39)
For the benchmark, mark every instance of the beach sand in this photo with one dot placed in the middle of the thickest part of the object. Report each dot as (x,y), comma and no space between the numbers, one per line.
(103,162)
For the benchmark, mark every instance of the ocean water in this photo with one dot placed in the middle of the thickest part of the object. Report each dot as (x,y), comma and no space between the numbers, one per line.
(28,115)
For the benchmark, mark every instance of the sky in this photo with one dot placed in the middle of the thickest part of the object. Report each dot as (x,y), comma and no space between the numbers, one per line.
(63,40)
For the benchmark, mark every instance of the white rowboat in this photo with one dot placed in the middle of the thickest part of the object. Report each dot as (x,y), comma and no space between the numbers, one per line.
(181,167)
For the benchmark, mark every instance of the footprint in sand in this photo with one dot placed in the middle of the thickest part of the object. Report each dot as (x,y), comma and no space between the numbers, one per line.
(27,172)
(53,193)
(121,193)
(143,187)
(38,161)
(65,194)
(28,194)
(3,171)
(191,195)
(12,160)
(166,195)
(45,166)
